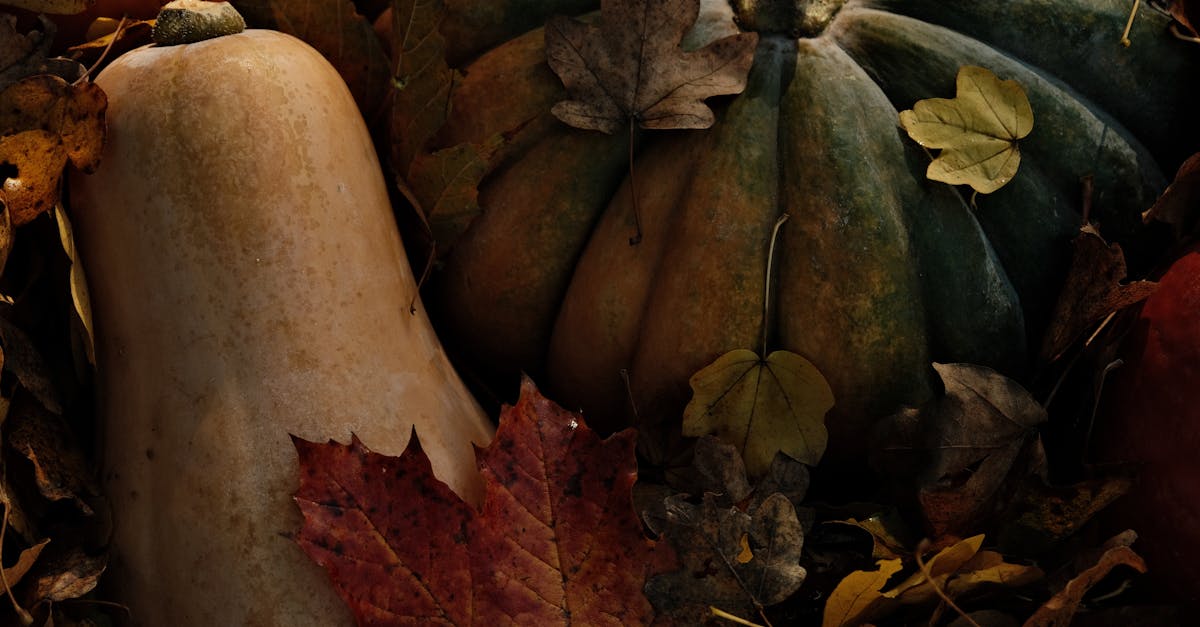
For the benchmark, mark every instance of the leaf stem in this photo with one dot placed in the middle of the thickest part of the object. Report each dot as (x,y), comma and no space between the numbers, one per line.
(1129,25)
(104,53)
(766,317)
(1178,33)
(637,214)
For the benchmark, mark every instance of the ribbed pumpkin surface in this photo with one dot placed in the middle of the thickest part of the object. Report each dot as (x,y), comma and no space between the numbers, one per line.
(880,271)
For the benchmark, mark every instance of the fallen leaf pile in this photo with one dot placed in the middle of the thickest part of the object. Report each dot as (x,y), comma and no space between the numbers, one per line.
(55,521)
(46,122)
(739,547)
(959,570)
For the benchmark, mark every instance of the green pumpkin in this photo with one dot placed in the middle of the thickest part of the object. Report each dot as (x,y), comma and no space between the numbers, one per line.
(879,272)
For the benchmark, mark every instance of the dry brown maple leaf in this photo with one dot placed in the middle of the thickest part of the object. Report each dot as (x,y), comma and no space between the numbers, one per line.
(556,541)
(630,66)
(1093,291)
(1179,204)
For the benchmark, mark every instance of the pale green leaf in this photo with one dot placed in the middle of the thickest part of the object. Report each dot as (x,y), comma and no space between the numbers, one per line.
(761,406)
(977,130)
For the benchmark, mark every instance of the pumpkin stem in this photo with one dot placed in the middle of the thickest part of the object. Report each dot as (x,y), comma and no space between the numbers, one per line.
(189,21)
(766,317)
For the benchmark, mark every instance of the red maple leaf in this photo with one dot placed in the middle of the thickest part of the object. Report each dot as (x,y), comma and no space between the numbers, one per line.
(556,540)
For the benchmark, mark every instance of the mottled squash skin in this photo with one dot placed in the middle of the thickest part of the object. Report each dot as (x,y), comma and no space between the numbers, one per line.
(880,271)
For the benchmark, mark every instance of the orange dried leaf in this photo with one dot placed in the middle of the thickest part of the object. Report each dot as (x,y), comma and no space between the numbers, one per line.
(13,574)
(1061,608)
(44,122)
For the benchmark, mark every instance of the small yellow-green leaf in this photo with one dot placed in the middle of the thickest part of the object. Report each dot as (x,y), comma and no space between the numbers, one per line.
(761,406)
(858,596)
(977,130)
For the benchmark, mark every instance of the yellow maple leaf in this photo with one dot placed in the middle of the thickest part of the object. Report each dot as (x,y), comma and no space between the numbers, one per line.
(977,130)
(761,406)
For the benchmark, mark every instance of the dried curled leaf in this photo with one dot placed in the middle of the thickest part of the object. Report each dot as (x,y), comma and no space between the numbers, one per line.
(1093,291)
(977,130)
(13,574)
(1061,608)
(68,575)
(44,123)
(762,406)
(630,67)
(1179,204)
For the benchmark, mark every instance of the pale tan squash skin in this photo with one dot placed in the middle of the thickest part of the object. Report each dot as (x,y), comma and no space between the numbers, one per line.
(248,282)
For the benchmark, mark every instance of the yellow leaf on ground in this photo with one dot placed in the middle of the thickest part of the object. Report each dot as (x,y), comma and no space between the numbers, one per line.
(988,568)
(761,406)
(977,130)
(858,595)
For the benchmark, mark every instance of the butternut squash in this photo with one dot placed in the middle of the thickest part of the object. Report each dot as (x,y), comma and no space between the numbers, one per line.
(248,283)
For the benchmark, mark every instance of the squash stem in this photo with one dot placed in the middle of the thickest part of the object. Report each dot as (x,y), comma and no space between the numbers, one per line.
(190,21)
(637,214)
(766,317)
(1129,25)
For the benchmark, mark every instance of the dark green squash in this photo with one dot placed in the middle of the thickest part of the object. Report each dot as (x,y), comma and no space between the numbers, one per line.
(880,271)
